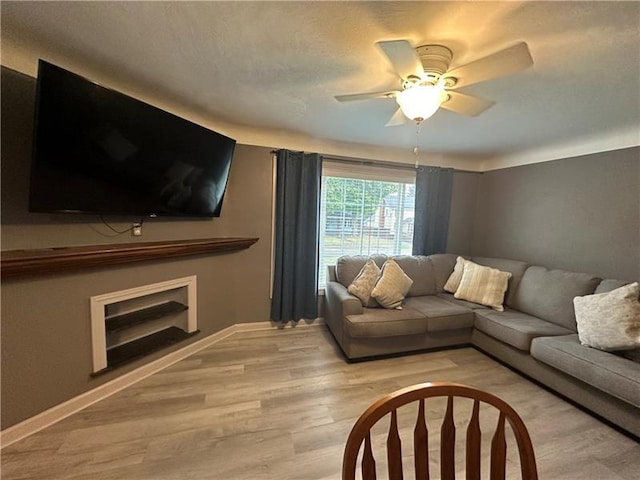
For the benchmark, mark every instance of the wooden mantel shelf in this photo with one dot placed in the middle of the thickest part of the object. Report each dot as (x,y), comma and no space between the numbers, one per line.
(20,263)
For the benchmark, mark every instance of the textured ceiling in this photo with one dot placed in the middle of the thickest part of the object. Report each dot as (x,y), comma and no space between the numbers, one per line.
(267,72)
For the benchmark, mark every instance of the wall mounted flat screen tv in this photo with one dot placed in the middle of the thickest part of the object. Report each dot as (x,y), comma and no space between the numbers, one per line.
(99,151)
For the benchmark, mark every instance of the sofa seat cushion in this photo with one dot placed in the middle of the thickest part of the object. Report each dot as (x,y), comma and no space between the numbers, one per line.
(618,376)
(382,322)
(515,328)
(441,315)
(462,303)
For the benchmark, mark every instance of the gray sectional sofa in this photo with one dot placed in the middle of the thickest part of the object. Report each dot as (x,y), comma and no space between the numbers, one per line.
(536,334)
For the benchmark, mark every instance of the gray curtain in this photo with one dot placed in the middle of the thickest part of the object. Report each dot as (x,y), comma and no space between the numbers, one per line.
(433,205)
(295,278)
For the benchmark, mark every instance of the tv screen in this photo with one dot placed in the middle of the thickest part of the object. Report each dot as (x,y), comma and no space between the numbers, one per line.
(100,151)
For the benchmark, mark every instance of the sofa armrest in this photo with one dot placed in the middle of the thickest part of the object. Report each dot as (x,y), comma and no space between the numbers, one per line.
(331,273)
(342,300)
(338,303)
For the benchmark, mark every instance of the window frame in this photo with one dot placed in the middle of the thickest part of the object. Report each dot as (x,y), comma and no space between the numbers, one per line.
(401,174)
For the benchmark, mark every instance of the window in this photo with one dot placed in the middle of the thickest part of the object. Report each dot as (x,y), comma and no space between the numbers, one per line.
(364,210)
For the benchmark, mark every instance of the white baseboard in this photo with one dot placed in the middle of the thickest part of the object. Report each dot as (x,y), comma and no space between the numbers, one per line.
(55,414)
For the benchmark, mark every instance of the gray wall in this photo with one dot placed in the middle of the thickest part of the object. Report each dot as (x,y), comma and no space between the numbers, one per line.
(46,340)
(463,209)
(580,214)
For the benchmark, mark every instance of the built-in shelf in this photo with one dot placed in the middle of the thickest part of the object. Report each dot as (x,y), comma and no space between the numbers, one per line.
(20,263)
(129,324)
(131,351)
(148,314)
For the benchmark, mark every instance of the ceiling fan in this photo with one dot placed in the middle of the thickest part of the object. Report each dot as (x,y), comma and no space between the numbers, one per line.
(427,83)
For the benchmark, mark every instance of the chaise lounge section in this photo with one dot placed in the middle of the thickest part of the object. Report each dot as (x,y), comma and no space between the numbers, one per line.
(535,334)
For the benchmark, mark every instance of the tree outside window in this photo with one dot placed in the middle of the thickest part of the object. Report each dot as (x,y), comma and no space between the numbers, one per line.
(363,217)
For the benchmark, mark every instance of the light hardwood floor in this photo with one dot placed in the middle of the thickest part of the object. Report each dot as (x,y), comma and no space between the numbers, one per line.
(279,404)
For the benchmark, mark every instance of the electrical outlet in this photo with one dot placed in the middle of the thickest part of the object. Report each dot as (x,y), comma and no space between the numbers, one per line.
(136,230)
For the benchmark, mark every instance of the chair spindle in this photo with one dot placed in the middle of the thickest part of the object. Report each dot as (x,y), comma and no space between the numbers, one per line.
(368,462)
(473,443)
(421,444)
(448,444)
(499,451)
(394,449)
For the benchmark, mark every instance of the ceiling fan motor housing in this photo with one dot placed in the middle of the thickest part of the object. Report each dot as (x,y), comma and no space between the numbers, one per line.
(435,60)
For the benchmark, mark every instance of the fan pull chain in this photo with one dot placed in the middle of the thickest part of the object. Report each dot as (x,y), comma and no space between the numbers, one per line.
(416,148)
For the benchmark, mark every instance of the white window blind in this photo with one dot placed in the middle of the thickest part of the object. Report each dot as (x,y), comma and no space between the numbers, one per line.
(368,172)
(364,210)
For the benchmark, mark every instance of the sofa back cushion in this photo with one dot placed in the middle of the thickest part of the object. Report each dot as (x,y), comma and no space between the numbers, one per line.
(548,294)
(443,264)
(419,269)
(609,284)
(515,267)
(348,266)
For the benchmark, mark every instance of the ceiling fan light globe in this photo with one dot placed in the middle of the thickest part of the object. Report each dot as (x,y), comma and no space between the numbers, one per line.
(421,102)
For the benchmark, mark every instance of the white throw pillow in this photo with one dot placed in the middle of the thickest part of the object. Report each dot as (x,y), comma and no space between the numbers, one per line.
(611,320)
(392,285)
(483,285)
(364,282)
(454,279)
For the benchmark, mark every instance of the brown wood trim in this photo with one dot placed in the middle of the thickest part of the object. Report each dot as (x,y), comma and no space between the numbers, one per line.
(19,263)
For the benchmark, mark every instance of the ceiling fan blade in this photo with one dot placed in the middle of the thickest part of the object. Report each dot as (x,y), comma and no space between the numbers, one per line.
(403,57)
(505,62)
(466,104)
(366,96)
(397,119)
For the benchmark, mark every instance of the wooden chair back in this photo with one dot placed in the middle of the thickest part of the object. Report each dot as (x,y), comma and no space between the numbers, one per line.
(361,432)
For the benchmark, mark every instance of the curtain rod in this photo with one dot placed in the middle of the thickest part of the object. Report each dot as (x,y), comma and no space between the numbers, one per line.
(379,163)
